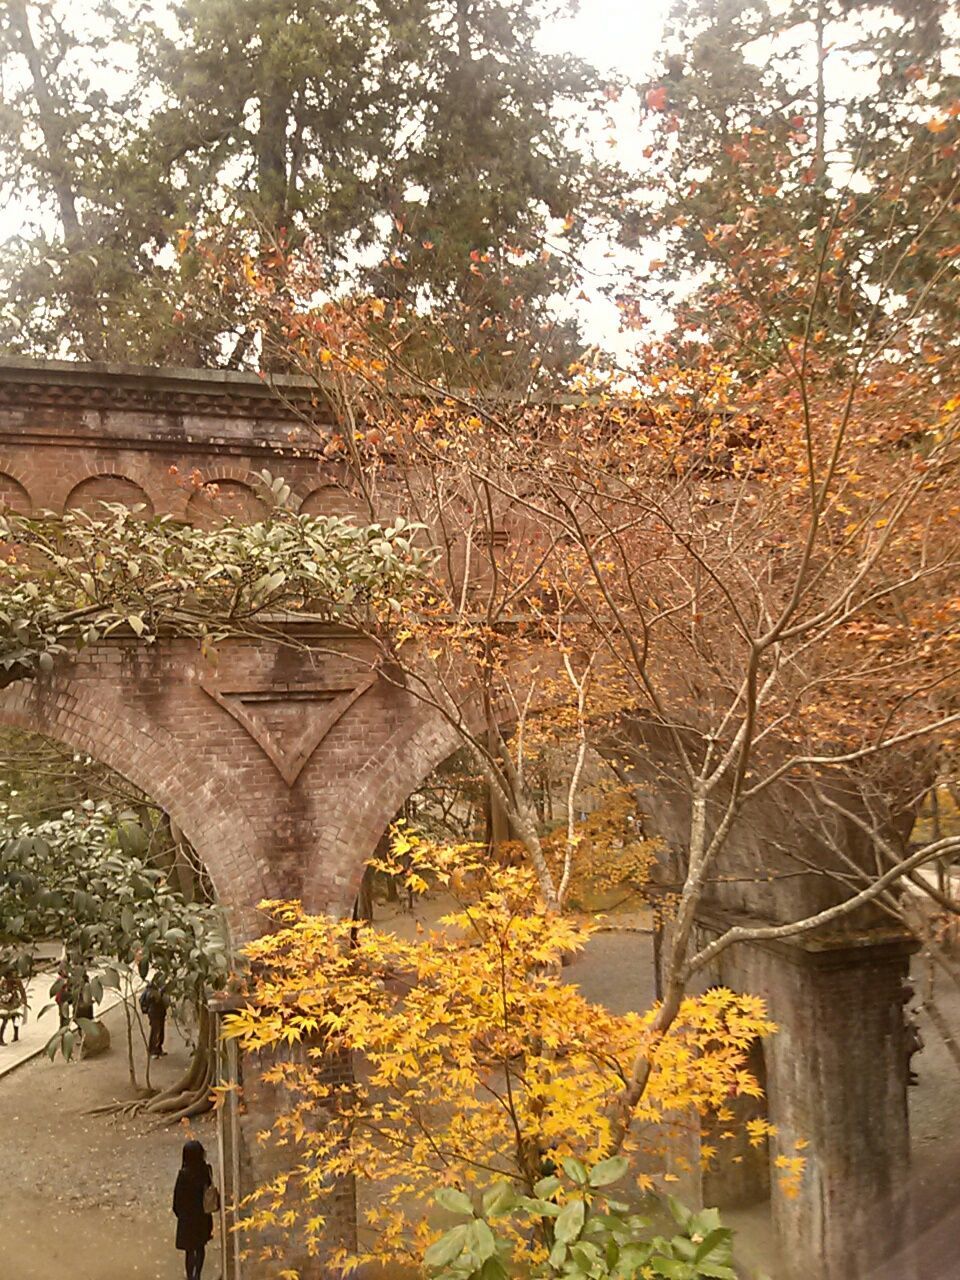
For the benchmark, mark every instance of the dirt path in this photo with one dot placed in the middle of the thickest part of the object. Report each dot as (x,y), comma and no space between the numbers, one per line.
(86,1197)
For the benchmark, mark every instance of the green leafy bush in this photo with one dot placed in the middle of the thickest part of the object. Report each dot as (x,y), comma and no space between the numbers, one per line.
(578,1232)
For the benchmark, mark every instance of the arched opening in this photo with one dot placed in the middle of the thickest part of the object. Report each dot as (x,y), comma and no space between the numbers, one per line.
(450,803)
(332,500)
(102,900)
(14,496)
(222,500)
(90,494)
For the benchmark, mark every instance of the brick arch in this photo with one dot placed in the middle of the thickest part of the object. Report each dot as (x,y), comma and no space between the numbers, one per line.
(107,486)
(98,725)
(235,498)
(364,809)
(421,742)
(14,495)
(331,500)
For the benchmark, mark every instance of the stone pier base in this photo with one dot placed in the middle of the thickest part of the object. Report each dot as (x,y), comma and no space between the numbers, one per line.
(836,1081)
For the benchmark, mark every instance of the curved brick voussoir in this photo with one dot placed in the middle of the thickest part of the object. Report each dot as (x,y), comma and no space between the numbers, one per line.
(97,723)
(363,811)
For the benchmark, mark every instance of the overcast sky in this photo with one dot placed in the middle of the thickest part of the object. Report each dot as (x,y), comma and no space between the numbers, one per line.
(623,36)
(612,33)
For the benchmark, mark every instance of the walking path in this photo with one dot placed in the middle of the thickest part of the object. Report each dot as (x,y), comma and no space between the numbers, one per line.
(88,1197)
(35,1033)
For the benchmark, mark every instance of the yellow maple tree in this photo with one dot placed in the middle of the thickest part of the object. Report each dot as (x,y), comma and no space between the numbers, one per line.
(474,1061)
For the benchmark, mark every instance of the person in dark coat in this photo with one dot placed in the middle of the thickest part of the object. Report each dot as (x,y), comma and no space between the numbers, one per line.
(154,1003)
(61,994)
(84,1002)
(194,1225)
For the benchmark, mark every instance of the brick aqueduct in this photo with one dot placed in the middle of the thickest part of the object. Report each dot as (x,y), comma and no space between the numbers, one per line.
(284,775)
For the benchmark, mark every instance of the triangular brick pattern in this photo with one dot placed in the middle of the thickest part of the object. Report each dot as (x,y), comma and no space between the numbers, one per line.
(287,724)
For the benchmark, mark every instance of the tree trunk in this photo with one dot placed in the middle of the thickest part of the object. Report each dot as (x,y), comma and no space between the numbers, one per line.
(364,909)
(131,1061)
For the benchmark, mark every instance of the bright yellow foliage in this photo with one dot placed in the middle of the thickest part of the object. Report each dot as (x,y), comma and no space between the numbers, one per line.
(472,1057)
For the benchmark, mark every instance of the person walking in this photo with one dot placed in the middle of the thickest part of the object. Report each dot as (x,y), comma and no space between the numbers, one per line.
(194,1199)
(13,1003)
(83,1006)
(61,994)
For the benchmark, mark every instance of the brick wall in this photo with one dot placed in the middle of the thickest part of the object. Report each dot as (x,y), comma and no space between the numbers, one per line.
(228,750)
(281,794)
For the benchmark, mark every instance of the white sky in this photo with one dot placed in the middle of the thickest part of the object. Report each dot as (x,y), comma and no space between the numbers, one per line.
(621,34)
(615,36)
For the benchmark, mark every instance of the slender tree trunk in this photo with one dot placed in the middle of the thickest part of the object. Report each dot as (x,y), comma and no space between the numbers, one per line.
(365,896)
(272,158)
(497,818)
(183,870)
(148,1084)
(131,1060)
(820,137)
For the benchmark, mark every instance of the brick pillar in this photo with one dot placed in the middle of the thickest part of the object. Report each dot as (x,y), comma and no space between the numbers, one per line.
(837,1080)
(247,1163)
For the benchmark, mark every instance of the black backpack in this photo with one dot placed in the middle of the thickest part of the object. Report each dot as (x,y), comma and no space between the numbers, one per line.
(147,996)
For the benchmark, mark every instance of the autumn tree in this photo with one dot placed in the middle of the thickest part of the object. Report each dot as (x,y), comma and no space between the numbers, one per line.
(476,1065)
(746,550)
(67,120)
(730,570)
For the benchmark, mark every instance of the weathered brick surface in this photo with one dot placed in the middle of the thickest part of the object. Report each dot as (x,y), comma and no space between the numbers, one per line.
(836,1082)
(210,743)
(151,715)
(74,435)
(229,750)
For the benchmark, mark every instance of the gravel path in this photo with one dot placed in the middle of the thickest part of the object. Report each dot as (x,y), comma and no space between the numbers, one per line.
(88,1197)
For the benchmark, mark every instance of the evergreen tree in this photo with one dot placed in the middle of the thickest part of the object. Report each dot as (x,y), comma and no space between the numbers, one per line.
(423,147)
(89,224)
